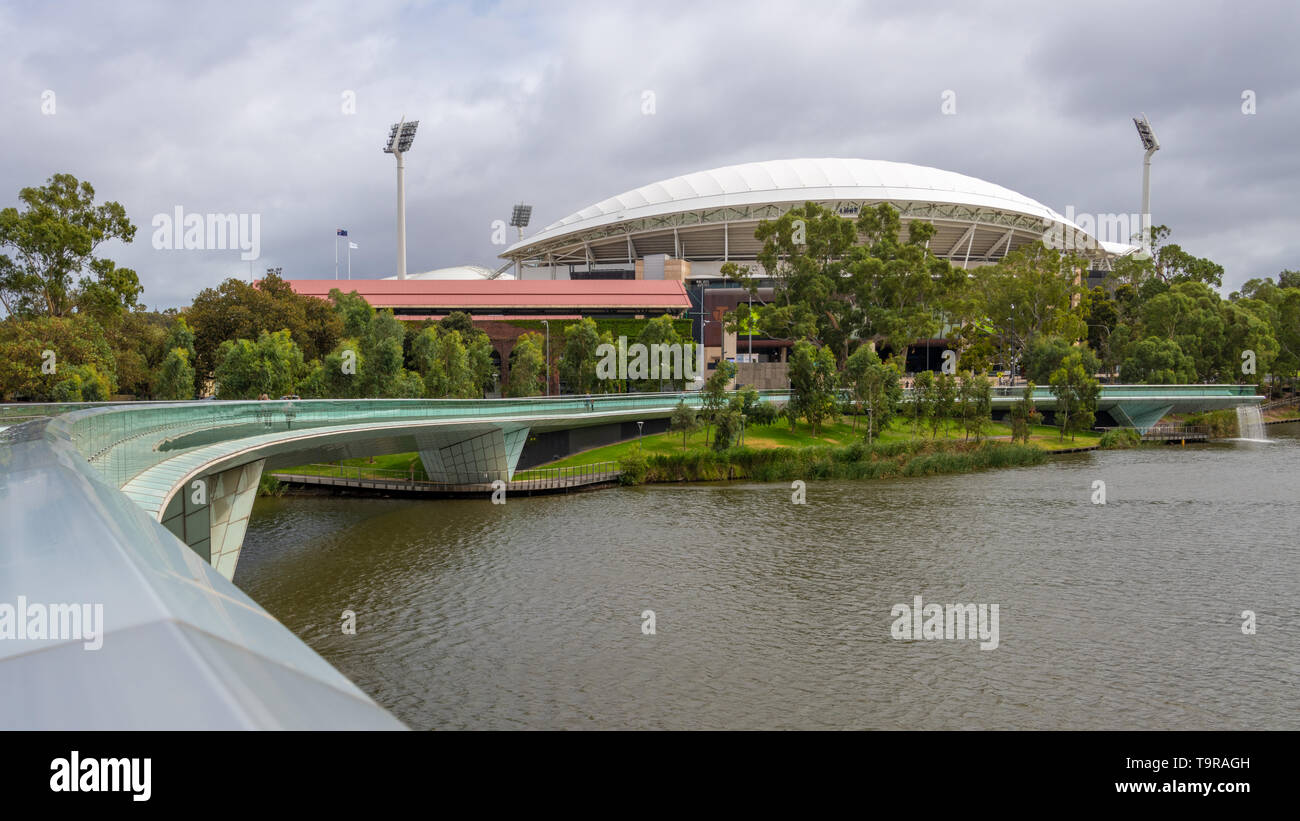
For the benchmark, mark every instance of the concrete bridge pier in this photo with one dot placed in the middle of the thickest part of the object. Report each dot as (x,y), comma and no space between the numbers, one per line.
(210,514)
(1140,415)
(467,455)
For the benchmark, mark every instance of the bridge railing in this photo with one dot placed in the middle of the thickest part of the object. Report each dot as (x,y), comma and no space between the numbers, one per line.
(121,440)
(568,475)
(1168,431)
(547,477)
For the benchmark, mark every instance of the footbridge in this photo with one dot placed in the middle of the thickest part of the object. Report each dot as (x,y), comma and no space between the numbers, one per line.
(121,527)
(136,512)
(1142,406)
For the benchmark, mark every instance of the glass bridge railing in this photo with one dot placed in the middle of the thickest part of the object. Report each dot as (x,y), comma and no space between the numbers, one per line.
(121,440)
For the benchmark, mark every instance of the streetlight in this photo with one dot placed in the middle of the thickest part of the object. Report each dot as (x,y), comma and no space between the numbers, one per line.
(519,218)
(1152,145)
(400,137)
(548,356)
(1107,329)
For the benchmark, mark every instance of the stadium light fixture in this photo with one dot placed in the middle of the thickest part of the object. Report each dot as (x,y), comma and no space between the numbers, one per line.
(1152,145)
(400,136)
(519,218)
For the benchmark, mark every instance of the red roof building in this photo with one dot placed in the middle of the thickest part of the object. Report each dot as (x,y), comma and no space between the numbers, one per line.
(511,299)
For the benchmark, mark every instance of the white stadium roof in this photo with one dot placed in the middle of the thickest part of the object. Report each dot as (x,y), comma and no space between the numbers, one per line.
(458,272)
(739,194)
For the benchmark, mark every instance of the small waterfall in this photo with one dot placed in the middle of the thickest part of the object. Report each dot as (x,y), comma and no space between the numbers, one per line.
(1250,424)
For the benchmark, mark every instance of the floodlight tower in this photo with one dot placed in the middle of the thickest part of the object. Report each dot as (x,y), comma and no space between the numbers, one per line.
(1152,145)
(400,137)
(519,218)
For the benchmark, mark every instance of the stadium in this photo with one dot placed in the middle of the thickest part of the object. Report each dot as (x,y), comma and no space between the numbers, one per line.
(667,241)
(688,226)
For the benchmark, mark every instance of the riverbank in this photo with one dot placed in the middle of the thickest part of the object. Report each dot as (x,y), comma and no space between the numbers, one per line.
(778,452)
(883,460)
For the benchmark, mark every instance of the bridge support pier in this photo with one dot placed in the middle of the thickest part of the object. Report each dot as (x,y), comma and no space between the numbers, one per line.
(471,456)
(1140,415)
(211,514)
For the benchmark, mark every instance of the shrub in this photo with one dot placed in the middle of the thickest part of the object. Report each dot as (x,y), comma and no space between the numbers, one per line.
(1120,439)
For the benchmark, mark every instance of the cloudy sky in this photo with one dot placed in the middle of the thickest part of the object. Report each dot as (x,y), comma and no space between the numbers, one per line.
(245,108)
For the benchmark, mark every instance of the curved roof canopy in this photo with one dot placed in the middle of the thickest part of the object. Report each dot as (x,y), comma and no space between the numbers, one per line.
(763,190)
(457,272)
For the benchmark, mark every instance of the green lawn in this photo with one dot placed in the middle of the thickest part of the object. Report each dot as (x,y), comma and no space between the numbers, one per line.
(841,433)
(769,436)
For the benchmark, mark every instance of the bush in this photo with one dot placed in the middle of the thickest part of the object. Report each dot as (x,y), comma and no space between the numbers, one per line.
(856,461)
(1120,439)
(268,485)
(633,467)
(1222,423)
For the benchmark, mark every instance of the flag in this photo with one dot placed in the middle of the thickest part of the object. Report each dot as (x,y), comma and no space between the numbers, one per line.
(353,245)
(342,232)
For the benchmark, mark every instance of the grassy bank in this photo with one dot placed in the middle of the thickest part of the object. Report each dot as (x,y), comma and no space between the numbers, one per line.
(839,434)
(778,453)
(857,461)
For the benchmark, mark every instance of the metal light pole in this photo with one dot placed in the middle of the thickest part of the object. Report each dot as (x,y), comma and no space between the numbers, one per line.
(1152,145)
(400,137)
(548,356)
(520,215)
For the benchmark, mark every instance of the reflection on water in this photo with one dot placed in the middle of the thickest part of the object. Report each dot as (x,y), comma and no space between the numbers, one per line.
(770,614)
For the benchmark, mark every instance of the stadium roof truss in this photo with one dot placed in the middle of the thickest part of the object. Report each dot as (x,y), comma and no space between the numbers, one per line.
(717,234)
(682,217)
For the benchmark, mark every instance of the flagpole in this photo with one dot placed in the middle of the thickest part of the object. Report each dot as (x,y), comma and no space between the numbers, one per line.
(349,258)
(336,255)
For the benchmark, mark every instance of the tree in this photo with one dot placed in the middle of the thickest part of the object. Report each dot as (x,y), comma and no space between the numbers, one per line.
(1189,313)
(1044,355)
(944,399)
(481,364)
(237,310)
(684,419)
(247,369)
(176,377)
(140,341)
(335,377)
(883,395)
(381,352)
(353,310)
(527,366)
(82,383)
(578,359)
(813,383)
(1155,361)
(1076,393)
(659,331)
(55,238)
(975,404)
(922,400)
(714,393)
(837,281)
(1024,414)
(38,354)
(1032,292)
(459,321)
(729,423)
(856,368)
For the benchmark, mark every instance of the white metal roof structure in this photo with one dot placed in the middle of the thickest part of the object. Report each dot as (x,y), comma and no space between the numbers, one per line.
(711,215)
(459,272)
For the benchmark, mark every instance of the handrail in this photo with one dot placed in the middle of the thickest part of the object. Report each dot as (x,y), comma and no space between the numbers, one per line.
(560,476)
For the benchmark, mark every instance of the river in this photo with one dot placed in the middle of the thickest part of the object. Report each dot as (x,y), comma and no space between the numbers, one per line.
(770,614)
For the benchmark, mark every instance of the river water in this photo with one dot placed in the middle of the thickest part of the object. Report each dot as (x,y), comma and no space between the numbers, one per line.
(770,614)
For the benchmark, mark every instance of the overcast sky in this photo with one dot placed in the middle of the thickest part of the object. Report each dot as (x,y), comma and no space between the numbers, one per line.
(241,108)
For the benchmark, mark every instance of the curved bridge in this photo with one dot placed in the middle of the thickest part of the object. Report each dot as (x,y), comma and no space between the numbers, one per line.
(137,512)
